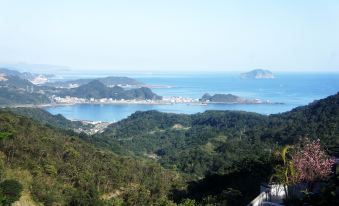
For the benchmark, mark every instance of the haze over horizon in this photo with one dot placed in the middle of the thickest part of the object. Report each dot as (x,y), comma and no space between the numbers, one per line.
(170,36)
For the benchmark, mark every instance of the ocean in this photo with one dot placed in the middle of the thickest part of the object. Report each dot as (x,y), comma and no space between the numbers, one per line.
(290,89)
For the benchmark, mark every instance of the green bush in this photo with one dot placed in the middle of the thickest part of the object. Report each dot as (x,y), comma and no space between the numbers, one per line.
(45,190)
(87,197)
(10,191)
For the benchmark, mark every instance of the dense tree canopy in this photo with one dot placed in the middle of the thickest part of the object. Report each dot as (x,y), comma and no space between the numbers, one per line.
(67,170)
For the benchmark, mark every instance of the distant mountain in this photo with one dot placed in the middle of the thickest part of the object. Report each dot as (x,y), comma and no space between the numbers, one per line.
(9,72)
(227,98)
(93,89)
(108,81)
(15,90)
(258,74)
(112,81)
(36,68)
(25,88)
(33,78)
(14,81)
(14,97)
(96,89)
(141,93)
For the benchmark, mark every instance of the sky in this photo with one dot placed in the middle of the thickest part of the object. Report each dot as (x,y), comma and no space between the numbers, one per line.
(173,35)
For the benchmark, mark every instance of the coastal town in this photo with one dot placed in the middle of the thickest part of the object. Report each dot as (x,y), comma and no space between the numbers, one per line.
(94,127)
(165,100)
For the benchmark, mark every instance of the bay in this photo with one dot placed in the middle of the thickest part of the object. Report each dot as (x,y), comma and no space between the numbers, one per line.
(291,89)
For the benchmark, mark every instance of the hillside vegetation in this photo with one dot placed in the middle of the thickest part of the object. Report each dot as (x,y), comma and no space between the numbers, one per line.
(46,118)
(217,149)
(208,142)
(57,169)
(96,89)
(154,158)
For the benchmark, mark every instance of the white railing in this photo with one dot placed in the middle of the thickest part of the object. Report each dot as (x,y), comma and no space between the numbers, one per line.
(259,199)
(271,195)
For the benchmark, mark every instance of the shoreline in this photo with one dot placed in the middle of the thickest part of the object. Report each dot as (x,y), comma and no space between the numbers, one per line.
(137,103)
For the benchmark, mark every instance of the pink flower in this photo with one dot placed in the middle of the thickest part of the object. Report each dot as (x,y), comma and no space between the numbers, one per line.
(311,163)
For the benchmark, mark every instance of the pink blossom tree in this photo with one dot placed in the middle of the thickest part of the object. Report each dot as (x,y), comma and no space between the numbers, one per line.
(311,163)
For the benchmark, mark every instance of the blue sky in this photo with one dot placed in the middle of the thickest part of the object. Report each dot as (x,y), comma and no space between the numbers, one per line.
(175,35)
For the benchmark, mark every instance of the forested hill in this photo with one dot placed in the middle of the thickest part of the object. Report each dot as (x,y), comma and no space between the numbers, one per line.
(206,142)
(56,169)
(46,118)
(14,90)
(319,119)
(228,153)
(96,89)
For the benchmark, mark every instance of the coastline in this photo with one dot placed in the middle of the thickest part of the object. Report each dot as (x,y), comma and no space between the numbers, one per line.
(160,102)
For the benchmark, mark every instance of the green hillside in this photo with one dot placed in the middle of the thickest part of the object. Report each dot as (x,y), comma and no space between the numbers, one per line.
(227,154)
(96,89)
(56,169)
(154,158)
(210,141)
(46,118)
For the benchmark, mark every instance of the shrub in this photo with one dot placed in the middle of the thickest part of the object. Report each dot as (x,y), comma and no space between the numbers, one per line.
(10,191)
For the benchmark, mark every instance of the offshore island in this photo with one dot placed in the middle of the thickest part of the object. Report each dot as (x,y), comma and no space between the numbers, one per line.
(257,74)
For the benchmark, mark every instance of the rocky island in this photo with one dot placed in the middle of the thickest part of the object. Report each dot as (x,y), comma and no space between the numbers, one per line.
(257,74)
(229,99)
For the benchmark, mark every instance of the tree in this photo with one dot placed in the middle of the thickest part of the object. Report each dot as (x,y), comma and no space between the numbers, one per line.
(284,173)
(10,191)
(137,196)
(305,162)
(87,197)
(311,163)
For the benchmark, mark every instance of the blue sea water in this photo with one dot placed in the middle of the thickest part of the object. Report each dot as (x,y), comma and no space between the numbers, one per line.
(291,89)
